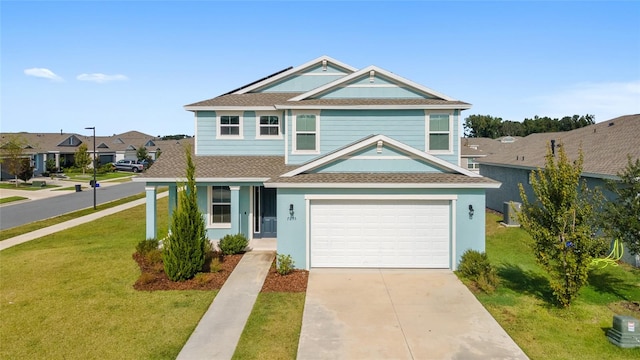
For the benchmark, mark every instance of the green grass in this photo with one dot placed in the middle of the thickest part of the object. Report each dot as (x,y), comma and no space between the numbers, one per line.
(69,295)
(99,177)
(273,329)
(12,199)
(521,304)
(23,229)
(25,186)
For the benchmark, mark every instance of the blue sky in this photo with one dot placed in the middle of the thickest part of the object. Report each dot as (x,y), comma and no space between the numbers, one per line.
(132,65)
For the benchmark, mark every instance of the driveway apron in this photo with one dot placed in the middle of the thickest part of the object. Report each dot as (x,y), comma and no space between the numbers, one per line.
(397,314)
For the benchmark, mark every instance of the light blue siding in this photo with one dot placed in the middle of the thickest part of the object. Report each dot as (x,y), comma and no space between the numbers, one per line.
(469,231)
(208,144)
(342,127)
(301,83)
(371,92)
(377,165)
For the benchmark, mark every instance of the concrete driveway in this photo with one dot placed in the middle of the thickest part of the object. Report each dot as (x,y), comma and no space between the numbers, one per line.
(397,314)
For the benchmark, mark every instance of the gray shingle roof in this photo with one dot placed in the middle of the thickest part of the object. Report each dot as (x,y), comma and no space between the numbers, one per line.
(171,166)
(281,100)
(605,146)
(384,178)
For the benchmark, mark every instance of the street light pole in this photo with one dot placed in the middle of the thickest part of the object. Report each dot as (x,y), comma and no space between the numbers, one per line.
(94,165)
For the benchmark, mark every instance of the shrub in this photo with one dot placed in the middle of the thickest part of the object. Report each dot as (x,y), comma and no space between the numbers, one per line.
(233,244)
(476,267)
(146,246)
(184,249)
(284,264)
(106,168)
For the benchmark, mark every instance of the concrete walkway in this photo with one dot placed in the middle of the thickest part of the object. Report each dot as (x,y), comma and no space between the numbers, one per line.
(5,244)
(219,330)
(397,314)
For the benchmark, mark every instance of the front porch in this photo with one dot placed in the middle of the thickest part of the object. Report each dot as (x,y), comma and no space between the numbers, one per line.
(235,208)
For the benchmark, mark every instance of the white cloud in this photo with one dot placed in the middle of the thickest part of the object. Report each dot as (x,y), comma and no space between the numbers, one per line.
(101,78)
(604,100)
(42,73)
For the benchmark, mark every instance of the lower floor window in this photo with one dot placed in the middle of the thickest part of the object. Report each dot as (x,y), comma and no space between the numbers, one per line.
(221,205)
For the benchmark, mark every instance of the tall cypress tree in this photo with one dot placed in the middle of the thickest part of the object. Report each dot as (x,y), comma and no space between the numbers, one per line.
(184,249)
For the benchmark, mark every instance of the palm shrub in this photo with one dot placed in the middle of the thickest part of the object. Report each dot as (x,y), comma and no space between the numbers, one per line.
(185,248)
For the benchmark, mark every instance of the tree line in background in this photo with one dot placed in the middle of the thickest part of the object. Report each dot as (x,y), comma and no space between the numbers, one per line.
(494,127)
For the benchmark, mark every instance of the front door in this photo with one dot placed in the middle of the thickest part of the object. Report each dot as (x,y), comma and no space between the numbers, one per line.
(265,212)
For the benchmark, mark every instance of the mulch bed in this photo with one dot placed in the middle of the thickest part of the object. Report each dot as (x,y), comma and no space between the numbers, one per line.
(153,278)
(295,281)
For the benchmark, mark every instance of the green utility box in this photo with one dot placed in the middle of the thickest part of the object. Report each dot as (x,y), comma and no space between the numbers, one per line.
(625,332)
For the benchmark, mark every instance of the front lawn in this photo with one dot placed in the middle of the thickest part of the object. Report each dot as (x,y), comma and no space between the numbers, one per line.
(12,199)
(70,295)
(273,329)
(25,186)
(521,303)
(88,176)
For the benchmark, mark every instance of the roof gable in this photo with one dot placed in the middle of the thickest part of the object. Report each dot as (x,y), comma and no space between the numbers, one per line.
(372,82)
(70,141)
(301,78)
(359,153)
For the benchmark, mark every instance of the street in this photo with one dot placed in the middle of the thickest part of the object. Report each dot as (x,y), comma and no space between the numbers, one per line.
(34,210)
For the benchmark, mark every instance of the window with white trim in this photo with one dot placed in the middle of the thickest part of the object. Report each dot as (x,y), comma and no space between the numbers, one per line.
(440,132)
(472,164)
(221,206)
(230,126)
(268,126)
(306,133)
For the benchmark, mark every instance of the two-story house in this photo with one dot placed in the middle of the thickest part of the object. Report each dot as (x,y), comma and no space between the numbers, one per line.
(344,167)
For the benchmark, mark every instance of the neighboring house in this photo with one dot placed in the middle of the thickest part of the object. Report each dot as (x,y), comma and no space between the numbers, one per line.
(605,146)
(344,167)
(61,147)
(474,149)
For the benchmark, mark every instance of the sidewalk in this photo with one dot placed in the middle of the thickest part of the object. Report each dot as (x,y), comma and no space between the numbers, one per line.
(5,244)
(219,330)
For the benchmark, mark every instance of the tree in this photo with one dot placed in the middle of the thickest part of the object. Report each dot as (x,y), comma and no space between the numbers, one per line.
(184,249)
(621,220)
(482,126)
(143,154)
(561,221)
(82,157)
(26,170)
(13,155)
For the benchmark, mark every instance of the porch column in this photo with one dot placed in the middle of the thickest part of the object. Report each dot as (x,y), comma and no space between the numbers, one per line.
(151,211)
(57,157)
(235,209)
(173,200)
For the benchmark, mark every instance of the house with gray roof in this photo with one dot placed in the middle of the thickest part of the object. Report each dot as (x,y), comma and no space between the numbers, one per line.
(61,147)
(344,167)
(605,145)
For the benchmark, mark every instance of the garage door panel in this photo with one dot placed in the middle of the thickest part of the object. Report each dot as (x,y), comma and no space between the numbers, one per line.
(364,233)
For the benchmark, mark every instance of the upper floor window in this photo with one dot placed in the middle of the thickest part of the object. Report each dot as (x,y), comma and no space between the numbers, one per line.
(472,164)
(306,133)
(268,126)
(440,132)
(220,206)
(230,126)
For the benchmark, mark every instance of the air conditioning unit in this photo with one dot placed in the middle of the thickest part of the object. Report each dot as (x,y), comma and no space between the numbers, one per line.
(510,212)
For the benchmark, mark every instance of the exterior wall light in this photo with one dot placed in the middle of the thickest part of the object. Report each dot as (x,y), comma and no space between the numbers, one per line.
(471,211)
(291,209)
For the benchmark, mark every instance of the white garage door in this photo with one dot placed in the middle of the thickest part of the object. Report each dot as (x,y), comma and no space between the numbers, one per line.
(379,233)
